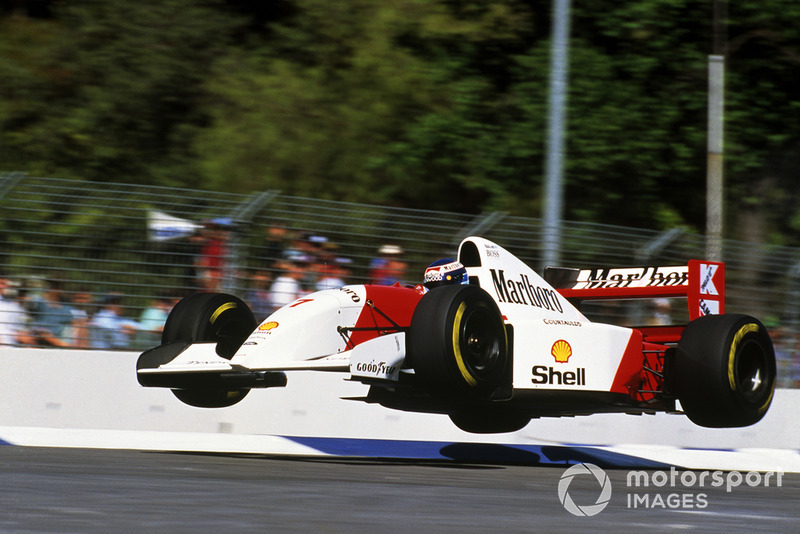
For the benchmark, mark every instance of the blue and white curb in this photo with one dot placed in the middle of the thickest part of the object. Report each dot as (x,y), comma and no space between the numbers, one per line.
(612,457)
(91,399)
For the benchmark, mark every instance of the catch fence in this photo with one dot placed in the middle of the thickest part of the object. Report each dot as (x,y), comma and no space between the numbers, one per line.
(142,243)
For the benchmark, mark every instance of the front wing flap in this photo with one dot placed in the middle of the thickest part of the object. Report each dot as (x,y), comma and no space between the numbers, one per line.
(183,365)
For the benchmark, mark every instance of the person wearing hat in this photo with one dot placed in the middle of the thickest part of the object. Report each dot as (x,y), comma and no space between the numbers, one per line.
(388,267)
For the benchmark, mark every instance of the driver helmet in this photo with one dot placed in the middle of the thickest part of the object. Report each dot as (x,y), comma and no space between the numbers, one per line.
(446,271)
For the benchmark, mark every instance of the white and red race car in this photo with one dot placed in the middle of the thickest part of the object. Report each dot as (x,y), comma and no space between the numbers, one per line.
(492,354)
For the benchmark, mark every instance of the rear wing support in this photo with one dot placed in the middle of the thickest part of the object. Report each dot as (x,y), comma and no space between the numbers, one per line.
(702,283)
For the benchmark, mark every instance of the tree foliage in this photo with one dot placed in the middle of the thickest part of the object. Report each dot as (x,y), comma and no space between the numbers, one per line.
(111,91)
(438,104)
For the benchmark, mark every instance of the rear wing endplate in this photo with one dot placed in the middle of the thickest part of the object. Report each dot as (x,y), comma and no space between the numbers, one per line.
(702,283)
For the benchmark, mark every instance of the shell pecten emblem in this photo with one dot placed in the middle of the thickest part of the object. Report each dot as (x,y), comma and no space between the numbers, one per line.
(561,351)
(268,326)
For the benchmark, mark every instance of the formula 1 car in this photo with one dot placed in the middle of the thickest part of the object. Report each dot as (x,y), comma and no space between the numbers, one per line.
(492,354)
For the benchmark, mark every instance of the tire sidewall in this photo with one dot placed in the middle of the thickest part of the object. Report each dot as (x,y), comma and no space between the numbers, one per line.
(441,359)
(210,317)
(210,398)
(715,356)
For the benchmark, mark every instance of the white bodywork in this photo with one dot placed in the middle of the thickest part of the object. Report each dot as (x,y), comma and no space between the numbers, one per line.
(300,336)
(555,345)
(552,338)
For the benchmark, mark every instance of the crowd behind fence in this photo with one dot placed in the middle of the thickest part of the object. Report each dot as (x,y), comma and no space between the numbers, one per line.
(99,265)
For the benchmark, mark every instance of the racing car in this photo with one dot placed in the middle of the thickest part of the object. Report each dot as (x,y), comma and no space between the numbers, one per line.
(506,346)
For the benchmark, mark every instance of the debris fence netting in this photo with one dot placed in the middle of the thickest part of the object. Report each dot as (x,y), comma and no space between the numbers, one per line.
(129,251)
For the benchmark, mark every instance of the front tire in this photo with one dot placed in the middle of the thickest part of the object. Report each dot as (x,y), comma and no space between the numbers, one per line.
(457,342)
(210,398)
(723,371)
(215,317)
(210,317)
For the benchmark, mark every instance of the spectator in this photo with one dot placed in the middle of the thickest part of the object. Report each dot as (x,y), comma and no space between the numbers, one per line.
(51,317)
(152,320)
(782,344)
(298,250)
(211,258)
(258,295)
(109,329)
(393,272)
(286,288)
(187,257)
(81,307)
(274,245)
(381,268)
(13,319)
(662,312)
(333,274)
(316,252)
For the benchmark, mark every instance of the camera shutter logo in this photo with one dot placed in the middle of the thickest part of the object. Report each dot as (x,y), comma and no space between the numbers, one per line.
(602,499)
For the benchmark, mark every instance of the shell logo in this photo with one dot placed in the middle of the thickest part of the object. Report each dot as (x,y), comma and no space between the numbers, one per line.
(561,351)
(268,326)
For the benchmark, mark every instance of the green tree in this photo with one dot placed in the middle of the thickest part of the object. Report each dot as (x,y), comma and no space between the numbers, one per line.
(309,113)
(111,91)
(437,104)
(477,144)
(762,135)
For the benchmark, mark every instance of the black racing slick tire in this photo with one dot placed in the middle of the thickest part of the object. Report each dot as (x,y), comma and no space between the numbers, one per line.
(204,317)
(457,342)
(210,398)
(210,317)
(489,421)
(723,371)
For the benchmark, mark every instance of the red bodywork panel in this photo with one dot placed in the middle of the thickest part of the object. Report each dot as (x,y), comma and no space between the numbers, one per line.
(628,377)
(701,283)
(388,308)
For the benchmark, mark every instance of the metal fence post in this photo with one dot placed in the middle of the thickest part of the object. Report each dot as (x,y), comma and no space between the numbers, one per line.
(481,224)
(242,221)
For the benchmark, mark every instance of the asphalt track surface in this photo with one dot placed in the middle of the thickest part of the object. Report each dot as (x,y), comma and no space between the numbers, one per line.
(85,490)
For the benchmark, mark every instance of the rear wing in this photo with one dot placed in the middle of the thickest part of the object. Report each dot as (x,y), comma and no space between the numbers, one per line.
(701,282)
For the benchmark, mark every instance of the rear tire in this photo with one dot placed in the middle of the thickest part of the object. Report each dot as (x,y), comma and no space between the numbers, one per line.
(457,342)
(723,371)
(210,317)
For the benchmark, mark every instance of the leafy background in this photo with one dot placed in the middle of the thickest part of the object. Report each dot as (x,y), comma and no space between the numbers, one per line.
(433,104)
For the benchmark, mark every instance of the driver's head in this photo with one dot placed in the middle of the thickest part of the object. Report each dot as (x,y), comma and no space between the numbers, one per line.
(445,272)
